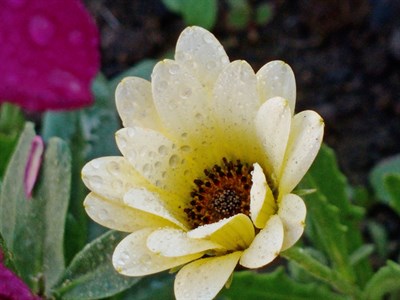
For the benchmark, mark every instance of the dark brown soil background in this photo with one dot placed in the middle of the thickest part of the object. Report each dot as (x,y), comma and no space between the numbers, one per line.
(345,55)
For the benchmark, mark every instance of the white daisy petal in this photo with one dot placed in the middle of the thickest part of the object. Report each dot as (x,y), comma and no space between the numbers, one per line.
(304,142)
(201,53)
(175,242)
(233,233)
(204,278)
(135,103)
(150,202)
(265,246)
(180,99)
(235,105)
(156,158)
(132,257)
(262,202)
(111,177)
(276,78)
(116,215)
(292,212)
(273,127)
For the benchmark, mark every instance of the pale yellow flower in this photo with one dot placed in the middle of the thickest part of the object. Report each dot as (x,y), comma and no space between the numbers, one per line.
(211,152)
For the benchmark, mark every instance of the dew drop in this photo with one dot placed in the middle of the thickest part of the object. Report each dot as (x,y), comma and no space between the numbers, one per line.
(185,148)
(113,167)
(41,30)
(96,181)
(162,86)
(211,65)
(174,69)
(131,132)
(163,150)
(103,215)
(132,154)
(224,60)
(123,259)
(173,161)
(147,169)
(186,93)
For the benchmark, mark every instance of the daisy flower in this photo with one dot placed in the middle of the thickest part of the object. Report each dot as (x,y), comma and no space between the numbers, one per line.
(211,152)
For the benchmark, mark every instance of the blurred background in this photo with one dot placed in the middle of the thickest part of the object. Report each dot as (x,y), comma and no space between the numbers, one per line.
(345,55)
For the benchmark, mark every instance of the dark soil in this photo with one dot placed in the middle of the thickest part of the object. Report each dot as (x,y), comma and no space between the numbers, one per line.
(345,55)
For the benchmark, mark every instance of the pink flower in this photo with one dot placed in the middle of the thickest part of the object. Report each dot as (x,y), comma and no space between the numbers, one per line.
(11,286)
(49,54)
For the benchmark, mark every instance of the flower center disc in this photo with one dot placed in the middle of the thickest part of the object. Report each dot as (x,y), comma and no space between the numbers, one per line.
(222,193)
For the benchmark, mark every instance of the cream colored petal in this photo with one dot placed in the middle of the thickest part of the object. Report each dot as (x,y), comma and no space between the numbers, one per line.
(150,202)
(132,257)
(266,245)
(201,53)
(273,127)
(116,215)
(274,79)
(304,142)
(156,158)
(204,278)
(234,233)
(111,177)
(262,202)
(135,103)
(180,99)
(235,105)
(292,212)
(172,242)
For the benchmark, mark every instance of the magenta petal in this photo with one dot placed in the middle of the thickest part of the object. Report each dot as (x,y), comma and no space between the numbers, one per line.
(33,165)
(49,54)
(12,287)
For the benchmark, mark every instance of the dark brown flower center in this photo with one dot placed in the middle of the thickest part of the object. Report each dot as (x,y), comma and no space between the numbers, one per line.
(222,193)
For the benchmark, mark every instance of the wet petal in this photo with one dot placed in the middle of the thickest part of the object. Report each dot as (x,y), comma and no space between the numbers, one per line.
(262,202)
(111,177)
(235,104)
(174,242)
(304,142)
(204,278)
(180,99)
(236,232)
(266,245)
(276,79)
(201,53)
(156,158)
(135,104)
(132,257)
(292,212)
(273,127)
(150,202)
(116,215)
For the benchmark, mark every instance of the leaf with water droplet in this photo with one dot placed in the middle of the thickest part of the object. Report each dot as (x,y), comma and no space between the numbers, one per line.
(91,274)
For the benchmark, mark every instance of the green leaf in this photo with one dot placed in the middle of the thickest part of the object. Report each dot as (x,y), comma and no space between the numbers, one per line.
(377,176)
(11,124)
(202,13)
(332,217)
(392,186)
(34,228)
(315,268)
(158,286)
(384,281)
(264,13)
(239,13)
(91,274)
(6,257)
(276,285)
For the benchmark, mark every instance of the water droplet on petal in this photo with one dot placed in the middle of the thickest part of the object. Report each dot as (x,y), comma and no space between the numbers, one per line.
(186,93)
(185,148)
(211,65)
(173,161)
(41,30)
(103,215)
(163,150)
(131,132)
(174,69)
